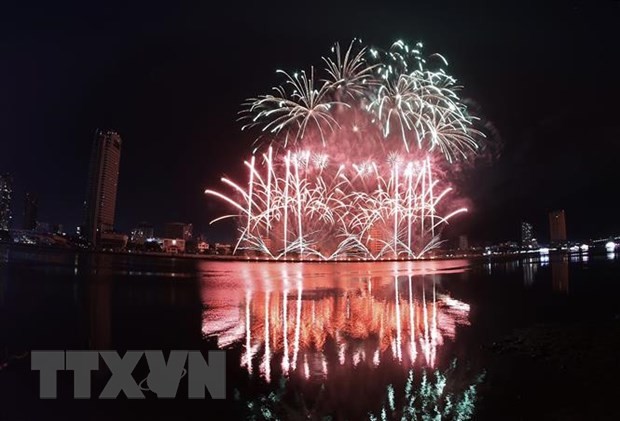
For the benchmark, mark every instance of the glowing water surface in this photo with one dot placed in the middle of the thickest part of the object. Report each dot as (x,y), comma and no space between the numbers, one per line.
(312,320)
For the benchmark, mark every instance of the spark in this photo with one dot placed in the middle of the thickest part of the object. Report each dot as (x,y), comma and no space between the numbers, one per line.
(398,89)
(332,211)
(357,153)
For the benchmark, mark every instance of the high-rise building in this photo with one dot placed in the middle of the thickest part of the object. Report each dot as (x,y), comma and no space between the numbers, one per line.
(6,191)
(100,204)
(31,212)
(527,234)
(557,226)
(463,242)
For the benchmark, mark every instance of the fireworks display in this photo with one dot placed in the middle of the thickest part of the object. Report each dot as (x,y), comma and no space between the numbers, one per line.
(349,161)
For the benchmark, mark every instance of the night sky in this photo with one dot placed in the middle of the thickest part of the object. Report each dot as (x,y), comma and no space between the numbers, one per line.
(170,79)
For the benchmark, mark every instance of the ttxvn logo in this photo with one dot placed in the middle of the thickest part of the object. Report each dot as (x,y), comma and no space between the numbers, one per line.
(163,376)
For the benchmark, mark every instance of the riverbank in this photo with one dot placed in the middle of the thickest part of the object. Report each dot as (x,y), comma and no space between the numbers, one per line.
(212,257)
(34,247)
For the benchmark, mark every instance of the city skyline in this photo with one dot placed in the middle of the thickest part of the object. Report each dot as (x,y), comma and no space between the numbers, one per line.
(103,179)
(143,231)
(179,126)
(104,174)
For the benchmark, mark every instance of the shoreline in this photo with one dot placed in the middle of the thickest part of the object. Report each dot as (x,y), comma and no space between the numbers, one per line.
(232,258)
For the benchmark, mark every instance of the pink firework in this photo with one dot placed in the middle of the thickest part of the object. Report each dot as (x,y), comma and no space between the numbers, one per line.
(352,161)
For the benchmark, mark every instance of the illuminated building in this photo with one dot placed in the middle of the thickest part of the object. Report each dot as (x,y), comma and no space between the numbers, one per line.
(203,246)
(6,190)
(557,226)
(527,234)
(142,233)
(173,245)
(31,210)
(100,204)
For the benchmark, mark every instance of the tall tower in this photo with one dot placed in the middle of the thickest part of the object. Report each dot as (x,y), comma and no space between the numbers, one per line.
(6,190)
(100,203)
(463,242)
(31,211)
(557,227)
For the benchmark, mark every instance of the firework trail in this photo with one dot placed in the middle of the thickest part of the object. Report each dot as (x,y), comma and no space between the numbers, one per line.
(347,163)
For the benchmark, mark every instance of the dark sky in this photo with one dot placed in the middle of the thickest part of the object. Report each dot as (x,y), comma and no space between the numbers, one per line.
(170,79)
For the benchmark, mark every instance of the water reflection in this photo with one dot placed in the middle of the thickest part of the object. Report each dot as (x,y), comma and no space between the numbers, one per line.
(559,270)
(530,268)
(559,275)
(611,255)
(100,314)
(301,320)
